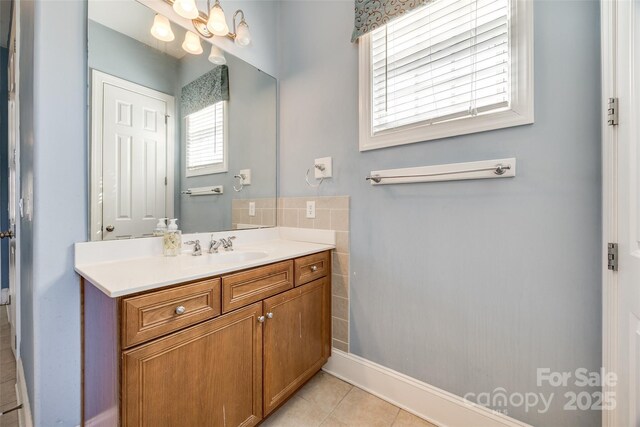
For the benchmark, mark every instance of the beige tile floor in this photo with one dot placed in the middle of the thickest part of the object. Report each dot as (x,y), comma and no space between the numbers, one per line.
(329,402)
(7,373)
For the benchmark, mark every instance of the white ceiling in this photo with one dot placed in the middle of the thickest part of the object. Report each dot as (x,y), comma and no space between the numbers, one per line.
(134,20)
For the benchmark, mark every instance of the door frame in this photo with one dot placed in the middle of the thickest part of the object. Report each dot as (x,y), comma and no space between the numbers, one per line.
(98,80)
(15,192)
(609,45)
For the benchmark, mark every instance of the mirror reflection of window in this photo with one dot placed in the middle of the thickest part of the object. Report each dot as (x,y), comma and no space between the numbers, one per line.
(206,141)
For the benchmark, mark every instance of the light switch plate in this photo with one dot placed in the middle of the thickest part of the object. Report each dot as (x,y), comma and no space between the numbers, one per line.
(311,209)
(247,176)
(252,208)
(327,162)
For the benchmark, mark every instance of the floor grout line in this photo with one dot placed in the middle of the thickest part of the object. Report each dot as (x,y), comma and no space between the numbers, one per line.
(343,397)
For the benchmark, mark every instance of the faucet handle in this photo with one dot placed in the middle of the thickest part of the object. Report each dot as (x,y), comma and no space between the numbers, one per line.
(214,245)
(197,249)
(228,242)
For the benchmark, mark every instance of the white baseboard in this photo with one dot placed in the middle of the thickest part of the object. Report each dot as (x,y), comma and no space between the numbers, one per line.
(24,414)
(12,327)
(423,400)
(106,418)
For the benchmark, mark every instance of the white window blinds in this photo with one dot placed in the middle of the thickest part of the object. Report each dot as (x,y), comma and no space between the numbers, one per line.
(205,137)
(446,60)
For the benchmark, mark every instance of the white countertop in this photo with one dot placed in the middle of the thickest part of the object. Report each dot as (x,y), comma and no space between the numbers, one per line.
(117,276)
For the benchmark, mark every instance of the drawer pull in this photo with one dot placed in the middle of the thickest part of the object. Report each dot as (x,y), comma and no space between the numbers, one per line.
(314,268)
(270,315)
(180,310)
(261,319)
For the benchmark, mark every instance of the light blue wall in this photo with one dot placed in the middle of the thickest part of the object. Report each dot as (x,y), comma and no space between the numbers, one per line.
(472,285)
(127,58)
(60,206)
(54,189)
(25,236)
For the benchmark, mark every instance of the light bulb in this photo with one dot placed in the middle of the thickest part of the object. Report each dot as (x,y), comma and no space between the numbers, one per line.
(217,23)
(161,29)
(186,8)
(217,56)
(191,43)
(243,36)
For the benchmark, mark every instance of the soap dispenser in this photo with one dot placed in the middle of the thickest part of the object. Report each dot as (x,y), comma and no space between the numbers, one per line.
(161,227)
(172,239)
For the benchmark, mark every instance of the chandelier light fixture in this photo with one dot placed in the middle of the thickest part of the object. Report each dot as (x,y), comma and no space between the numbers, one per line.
(161,29)
(206,25)
(191,43)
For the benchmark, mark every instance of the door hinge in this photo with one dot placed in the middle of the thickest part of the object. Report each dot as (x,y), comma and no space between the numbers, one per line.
(165,181)
(166,118)
(612,256)
(612,112)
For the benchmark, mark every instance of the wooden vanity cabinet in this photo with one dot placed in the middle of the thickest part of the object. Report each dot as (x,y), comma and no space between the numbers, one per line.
(148,364)
(209,374)
(296,340)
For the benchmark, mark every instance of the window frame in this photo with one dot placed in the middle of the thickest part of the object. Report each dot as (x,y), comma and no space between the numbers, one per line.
(214,169)
(520,112)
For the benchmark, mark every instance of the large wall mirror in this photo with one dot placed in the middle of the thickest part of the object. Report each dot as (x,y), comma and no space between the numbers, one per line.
(172,134)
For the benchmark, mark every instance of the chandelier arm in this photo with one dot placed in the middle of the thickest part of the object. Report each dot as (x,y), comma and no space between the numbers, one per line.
(200,22)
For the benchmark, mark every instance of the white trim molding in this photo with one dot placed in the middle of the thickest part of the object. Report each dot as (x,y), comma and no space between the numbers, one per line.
(24,414)
(421,399)
(609,43)
(519,112)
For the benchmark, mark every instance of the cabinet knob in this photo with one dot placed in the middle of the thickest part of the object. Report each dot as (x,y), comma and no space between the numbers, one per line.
(270,315)
(314,268)
(180,310)
(261,319)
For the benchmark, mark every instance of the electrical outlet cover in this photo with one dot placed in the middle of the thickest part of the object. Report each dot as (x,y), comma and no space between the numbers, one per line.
(327,162)
(247,176)
(252,208)
(311,209)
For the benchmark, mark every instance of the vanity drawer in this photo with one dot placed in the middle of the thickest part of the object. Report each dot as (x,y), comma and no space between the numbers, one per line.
(158,313)
(312,267)
(243,288)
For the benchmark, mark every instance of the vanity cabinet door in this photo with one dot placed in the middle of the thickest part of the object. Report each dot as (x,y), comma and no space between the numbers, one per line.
(206,375)
(297,333)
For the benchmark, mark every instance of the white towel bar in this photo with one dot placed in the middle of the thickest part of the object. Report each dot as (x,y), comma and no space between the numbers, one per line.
(204,191)
(485,169)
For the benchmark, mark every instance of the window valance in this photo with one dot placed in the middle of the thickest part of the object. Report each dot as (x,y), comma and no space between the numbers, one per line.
(206,90)
(371,14)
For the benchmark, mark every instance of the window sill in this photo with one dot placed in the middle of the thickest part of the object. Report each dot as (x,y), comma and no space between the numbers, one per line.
(428,132)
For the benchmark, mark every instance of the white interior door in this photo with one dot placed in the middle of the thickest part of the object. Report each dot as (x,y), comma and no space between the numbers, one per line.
(623,177)
(134,136)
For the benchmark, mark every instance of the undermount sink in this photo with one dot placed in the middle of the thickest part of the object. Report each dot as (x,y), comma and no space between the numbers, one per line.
(189,260)
(237,256)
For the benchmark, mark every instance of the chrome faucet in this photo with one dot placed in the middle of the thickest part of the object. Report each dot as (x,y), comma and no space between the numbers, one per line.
(227,243)
(214,245)
(197,249)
